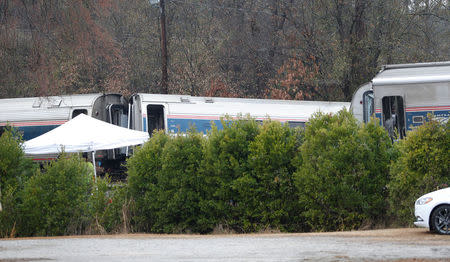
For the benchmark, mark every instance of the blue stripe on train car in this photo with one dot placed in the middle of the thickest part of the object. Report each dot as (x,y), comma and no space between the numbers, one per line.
(378,115)
(183,125)
(414,119)
(144,124)
(30,132)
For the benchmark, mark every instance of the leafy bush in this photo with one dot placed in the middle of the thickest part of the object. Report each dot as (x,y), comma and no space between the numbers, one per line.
(181,188)
(110,207)
(167,187)
(344,172)
(15,169)
(268,191)
(423,166)
(144,167)
(225,161)
(55,201)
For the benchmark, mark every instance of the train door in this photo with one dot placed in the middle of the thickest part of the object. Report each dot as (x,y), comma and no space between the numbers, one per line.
(136,118)
(362,104)
(155,118)
(118,117)
(368,105)
(394,116)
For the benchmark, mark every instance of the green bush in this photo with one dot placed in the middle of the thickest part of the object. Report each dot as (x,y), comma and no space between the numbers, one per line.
(268,191)
(168,190)
(225,161)
(15,169)
(344,172)
(181,188)
(110,208)
(56,201)
(144,167)
(423,166)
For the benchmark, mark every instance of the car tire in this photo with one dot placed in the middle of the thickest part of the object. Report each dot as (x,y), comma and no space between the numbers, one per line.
(440,220)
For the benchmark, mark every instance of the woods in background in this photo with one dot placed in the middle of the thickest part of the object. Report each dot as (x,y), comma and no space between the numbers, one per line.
(281,49)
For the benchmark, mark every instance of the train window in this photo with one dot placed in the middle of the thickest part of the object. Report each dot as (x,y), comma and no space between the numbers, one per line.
(368,105)
(53,102)
(394,116)
(418,120)
(37,103)
(155,114)
(76,112)
(294,124)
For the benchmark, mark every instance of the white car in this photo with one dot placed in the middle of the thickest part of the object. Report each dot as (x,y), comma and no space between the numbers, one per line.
(433,211)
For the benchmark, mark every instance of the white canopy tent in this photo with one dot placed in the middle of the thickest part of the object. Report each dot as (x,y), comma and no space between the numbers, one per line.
(84,134)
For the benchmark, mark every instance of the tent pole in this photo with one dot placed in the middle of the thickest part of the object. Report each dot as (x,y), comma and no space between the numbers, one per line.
(129,123)
(93,164)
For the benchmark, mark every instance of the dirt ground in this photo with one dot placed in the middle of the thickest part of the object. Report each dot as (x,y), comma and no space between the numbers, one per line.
(399,245)
(407,235)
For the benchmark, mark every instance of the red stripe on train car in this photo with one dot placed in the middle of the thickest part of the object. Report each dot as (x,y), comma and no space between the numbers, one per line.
(234,117)
(42,123)
(428,108)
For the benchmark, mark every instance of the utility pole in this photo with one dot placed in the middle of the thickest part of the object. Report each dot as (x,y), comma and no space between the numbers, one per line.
(164,76)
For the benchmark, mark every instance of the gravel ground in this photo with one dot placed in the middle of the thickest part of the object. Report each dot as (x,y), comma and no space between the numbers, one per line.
(410,244)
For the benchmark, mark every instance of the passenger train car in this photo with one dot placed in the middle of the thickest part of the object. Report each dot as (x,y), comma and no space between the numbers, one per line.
(178,113)
(401,96)
(34,116)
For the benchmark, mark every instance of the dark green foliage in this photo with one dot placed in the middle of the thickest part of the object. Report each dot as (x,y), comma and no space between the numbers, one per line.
(246,177)
(225,164)
(423,166)
(181,188)
(165,183)
(344,172)
(12,159)
(109,205)
(56,201)
(144,167)
(268,190)
(15,170)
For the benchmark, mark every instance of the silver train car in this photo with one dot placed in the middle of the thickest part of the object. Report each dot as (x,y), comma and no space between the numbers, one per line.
(34,116)
(178,113)
(402,96)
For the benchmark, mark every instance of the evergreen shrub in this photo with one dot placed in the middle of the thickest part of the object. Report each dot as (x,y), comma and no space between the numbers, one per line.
(15,169)
(110,207)
(268,190)
(342,181)
(144,168)
(56,200)
(423,166)
(181,191)
(226,155)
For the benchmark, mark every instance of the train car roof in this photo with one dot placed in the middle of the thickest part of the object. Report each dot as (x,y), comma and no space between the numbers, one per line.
(215,107)
(413,74)
(163,98)
(39,108)
(281,112)
(49,101)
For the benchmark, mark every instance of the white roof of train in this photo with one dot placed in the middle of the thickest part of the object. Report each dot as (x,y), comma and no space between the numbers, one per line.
(413,74)
(47,108)
(50,101)
(283,110)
